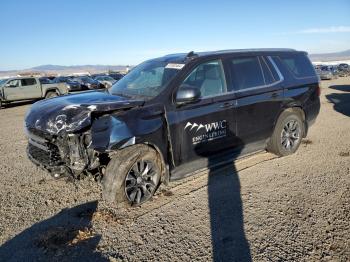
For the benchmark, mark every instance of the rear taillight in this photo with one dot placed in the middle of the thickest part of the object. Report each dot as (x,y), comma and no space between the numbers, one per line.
(318,90)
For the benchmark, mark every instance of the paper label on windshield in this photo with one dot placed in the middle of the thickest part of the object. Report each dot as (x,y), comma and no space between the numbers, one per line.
(175,66)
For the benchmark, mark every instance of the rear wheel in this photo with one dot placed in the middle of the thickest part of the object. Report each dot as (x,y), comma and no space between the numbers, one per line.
(51,94)
(132,176)
(287,135)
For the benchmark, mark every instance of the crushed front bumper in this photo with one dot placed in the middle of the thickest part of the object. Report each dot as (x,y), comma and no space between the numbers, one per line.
(45,155)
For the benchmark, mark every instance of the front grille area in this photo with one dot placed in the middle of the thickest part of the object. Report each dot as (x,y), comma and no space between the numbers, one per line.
(46,154)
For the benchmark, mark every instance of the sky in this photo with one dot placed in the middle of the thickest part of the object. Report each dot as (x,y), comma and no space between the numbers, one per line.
(112,32)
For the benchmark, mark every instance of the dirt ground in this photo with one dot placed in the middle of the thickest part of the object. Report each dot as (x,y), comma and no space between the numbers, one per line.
(260,208)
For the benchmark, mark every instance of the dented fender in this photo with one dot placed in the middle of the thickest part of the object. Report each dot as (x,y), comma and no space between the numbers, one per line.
(140,125)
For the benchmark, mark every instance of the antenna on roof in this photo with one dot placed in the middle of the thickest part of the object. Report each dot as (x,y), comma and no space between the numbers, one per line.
(191,54)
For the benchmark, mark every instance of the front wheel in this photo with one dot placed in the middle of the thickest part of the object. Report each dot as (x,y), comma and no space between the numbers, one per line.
(287,135)
(132,176)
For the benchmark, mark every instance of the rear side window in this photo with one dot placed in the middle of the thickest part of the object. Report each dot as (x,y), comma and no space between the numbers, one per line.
(298,64)
(28,81)
(246,73)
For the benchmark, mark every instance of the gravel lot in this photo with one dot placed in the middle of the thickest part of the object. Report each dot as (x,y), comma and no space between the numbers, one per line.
(260,208)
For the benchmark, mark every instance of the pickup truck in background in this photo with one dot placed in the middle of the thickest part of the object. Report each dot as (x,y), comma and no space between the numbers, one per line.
(29,88)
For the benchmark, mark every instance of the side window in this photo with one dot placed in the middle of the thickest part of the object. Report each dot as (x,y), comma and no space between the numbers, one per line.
(298,64)
(246,73)
(13,83)
(28,81)
(209,78)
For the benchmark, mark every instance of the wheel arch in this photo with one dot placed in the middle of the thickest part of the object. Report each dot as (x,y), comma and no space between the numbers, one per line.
(165,169)
(52,89)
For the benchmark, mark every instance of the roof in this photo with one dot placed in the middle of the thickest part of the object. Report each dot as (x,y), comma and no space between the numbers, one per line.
(181,57)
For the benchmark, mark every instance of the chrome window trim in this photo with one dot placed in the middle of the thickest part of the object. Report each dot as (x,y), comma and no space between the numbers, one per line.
(276,68)
(281,78)
(261,68)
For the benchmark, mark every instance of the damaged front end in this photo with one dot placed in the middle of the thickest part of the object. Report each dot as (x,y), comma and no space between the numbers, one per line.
(63,155)
(59,133)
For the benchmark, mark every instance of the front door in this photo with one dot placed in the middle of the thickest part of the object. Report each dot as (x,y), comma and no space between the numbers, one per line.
(207,127)
(12,90)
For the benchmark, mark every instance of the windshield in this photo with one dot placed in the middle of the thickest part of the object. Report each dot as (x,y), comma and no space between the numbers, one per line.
(2,81)
(146,80)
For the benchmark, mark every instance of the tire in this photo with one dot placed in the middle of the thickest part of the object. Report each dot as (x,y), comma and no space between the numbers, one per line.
(126,180)
(51,94)
(287,135)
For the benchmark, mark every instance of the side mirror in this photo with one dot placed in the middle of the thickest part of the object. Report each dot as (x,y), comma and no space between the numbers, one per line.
(187,94)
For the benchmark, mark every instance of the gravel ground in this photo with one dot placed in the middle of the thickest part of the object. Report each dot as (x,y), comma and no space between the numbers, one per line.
(260,208)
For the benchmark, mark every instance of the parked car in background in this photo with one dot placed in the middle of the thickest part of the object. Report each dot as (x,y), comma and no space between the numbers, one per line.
(71,85)
(344,69)
(87,82)
(96,75)
(174,115)
(326,73)
(29,88)
(116,76)
(107,81)
(45,80)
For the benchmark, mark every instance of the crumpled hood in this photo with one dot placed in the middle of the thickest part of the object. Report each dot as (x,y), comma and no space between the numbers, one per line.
(71,113)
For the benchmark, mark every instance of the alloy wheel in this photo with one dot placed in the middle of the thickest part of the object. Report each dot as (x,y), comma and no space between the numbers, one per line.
(290,135)
(141,182)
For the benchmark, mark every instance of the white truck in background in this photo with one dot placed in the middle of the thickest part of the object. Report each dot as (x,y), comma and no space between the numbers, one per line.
(29,88)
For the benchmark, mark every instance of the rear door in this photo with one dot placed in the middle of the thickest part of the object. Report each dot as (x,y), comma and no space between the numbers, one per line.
(30,88)
(206,127)
(259,96)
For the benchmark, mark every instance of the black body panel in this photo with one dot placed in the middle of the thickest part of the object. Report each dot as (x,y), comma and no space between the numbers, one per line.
(224,127)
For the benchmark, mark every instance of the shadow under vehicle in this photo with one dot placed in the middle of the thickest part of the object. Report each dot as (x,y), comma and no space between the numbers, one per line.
(341,101)
(147,128)
(66,236)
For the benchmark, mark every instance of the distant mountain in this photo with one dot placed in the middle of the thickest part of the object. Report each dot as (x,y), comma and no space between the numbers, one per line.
(337,56)
(48,67)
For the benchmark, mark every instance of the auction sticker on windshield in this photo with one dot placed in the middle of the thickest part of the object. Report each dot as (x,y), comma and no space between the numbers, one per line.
(175,66)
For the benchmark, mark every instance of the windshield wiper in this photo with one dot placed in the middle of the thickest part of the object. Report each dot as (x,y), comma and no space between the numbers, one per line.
(122,95)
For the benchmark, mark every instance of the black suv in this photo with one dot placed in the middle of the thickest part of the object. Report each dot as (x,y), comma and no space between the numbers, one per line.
(174,115)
